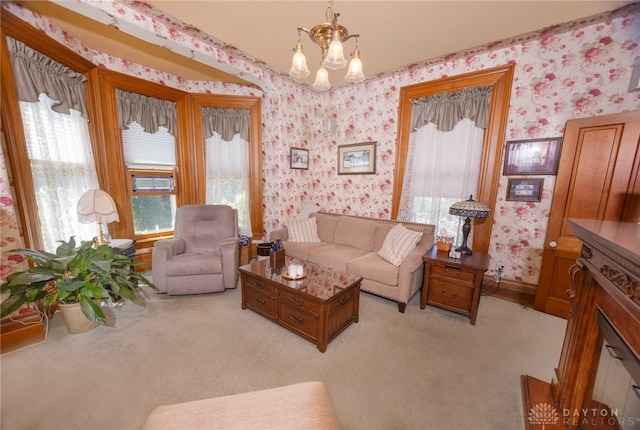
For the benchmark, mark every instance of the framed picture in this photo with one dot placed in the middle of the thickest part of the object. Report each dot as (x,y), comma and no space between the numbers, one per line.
(357,159)
(532,157)
(299,158)
(634,83)
(524,190)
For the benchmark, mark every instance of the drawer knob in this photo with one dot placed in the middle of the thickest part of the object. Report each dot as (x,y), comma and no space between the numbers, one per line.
(344,300)
(451,296)
(292,299)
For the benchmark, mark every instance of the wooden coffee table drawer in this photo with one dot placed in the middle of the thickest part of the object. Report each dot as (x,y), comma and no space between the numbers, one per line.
(265,287)
(261,303)
(297,301)
(450,295)
(299,320)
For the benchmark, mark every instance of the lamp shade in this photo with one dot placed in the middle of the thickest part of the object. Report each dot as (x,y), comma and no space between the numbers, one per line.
(470,208)
(97,206)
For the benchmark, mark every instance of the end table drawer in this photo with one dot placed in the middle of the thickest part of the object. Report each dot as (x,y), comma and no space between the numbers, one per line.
(450,295)
(454,273)
(260,303)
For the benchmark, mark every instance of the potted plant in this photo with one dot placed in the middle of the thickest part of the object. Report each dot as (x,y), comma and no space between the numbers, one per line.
(75,278)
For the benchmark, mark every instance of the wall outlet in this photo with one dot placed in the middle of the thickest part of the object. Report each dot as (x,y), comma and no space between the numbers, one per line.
(498,272)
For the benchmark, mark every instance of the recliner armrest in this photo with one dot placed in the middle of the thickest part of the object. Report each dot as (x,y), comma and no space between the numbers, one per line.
(169,247)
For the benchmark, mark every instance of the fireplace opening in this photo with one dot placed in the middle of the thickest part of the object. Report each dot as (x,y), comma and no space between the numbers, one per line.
(615,402)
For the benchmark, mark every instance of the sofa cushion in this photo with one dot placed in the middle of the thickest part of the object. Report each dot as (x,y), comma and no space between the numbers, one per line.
(326,226)
(303,230)
(399,242)
(334,256)
(301,249)
(355,232)
(372,266)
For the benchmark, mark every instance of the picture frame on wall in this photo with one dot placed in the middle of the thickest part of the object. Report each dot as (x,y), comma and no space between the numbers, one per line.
(357,159)
(524,190)
(299,158)
(532,156)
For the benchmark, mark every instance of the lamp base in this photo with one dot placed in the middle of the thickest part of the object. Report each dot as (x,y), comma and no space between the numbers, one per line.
(464,249)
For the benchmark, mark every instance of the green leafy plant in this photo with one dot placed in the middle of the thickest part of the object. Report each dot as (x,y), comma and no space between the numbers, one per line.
(74,274)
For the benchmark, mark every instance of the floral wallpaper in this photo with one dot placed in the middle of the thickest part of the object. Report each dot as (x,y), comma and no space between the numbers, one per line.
(10,234)
(572,70)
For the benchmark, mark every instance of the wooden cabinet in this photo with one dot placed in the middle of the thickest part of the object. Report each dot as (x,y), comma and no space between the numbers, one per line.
(453,284)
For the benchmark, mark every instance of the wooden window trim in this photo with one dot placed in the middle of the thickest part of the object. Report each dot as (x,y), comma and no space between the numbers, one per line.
(500,79)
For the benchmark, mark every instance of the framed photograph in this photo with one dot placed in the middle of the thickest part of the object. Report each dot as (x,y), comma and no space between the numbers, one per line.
(634,83)
(524,190)
(357,159)
(532,157)
(299,158)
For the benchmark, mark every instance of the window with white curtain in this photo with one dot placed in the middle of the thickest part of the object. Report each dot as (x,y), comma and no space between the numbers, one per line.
(227,177)
(62,166)
(442,168)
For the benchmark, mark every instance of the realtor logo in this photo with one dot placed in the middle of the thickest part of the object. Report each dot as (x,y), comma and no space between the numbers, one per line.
(543,413)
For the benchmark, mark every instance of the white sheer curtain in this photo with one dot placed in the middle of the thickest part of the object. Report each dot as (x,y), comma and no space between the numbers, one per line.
(62,167)
(442,168)
(228,176)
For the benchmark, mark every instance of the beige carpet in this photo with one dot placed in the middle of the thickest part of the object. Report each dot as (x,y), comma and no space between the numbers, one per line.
(425,369)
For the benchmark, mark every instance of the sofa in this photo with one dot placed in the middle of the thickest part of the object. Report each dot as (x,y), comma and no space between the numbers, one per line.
(353,244)
(301,406)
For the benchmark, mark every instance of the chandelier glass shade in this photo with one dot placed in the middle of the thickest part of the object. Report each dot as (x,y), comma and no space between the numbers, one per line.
(329,36)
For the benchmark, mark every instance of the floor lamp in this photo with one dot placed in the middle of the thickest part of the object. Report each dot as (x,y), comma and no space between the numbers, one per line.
(469,209)
(97,206)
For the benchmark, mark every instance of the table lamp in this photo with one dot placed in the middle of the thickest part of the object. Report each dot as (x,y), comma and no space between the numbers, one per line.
(470,209)
(97,206)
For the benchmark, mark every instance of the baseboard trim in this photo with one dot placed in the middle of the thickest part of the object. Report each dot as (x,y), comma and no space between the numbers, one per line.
(512,291)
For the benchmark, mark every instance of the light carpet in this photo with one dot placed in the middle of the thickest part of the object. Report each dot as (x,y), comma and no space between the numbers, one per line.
(424,369)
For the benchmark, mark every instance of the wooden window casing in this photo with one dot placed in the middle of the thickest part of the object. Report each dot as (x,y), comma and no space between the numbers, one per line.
(500,79)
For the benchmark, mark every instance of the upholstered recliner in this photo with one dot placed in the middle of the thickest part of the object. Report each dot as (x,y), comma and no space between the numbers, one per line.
(202,256)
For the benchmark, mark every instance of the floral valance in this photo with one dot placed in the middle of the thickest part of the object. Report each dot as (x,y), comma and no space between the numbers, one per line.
(446,109)
(36,74)
(226,122)
(149,112)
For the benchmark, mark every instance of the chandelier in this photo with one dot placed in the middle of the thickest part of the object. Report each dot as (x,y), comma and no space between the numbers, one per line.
(329,36)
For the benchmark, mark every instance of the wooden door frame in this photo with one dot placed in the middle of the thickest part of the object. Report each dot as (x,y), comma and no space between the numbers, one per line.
(500,78)
(556,226)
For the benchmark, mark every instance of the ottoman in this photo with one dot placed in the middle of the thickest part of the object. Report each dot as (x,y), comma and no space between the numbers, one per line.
(303,406)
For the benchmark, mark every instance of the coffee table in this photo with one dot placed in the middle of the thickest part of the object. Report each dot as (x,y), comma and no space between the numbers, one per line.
(317,307)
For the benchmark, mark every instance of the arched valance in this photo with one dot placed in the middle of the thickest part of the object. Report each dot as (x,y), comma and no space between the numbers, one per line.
(149,112)
(226,122)
(36,73)
(446,109)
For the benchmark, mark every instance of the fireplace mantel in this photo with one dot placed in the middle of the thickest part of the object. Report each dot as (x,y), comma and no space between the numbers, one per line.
(606,282)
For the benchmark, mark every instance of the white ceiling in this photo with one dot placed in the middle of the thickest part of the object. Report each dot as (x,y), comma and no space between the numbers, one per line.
(393,34)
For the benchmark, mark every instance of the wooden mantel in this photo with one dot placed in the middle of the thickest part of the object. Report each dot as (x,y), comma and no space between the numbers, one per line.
(606,282)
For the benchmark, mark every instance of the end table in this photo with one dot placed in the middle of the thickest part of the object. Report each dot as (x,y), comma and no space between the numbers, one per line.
(453,284)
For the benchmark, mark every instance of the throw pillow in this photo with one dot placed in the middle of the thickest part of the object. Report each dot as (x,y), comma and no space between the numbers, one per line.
(398,243)
(303,230)
(308,209)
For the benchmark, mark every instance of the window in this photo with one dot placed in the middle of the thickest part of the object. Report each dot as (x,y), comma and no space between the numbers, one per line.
(62,168)
(150,160)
